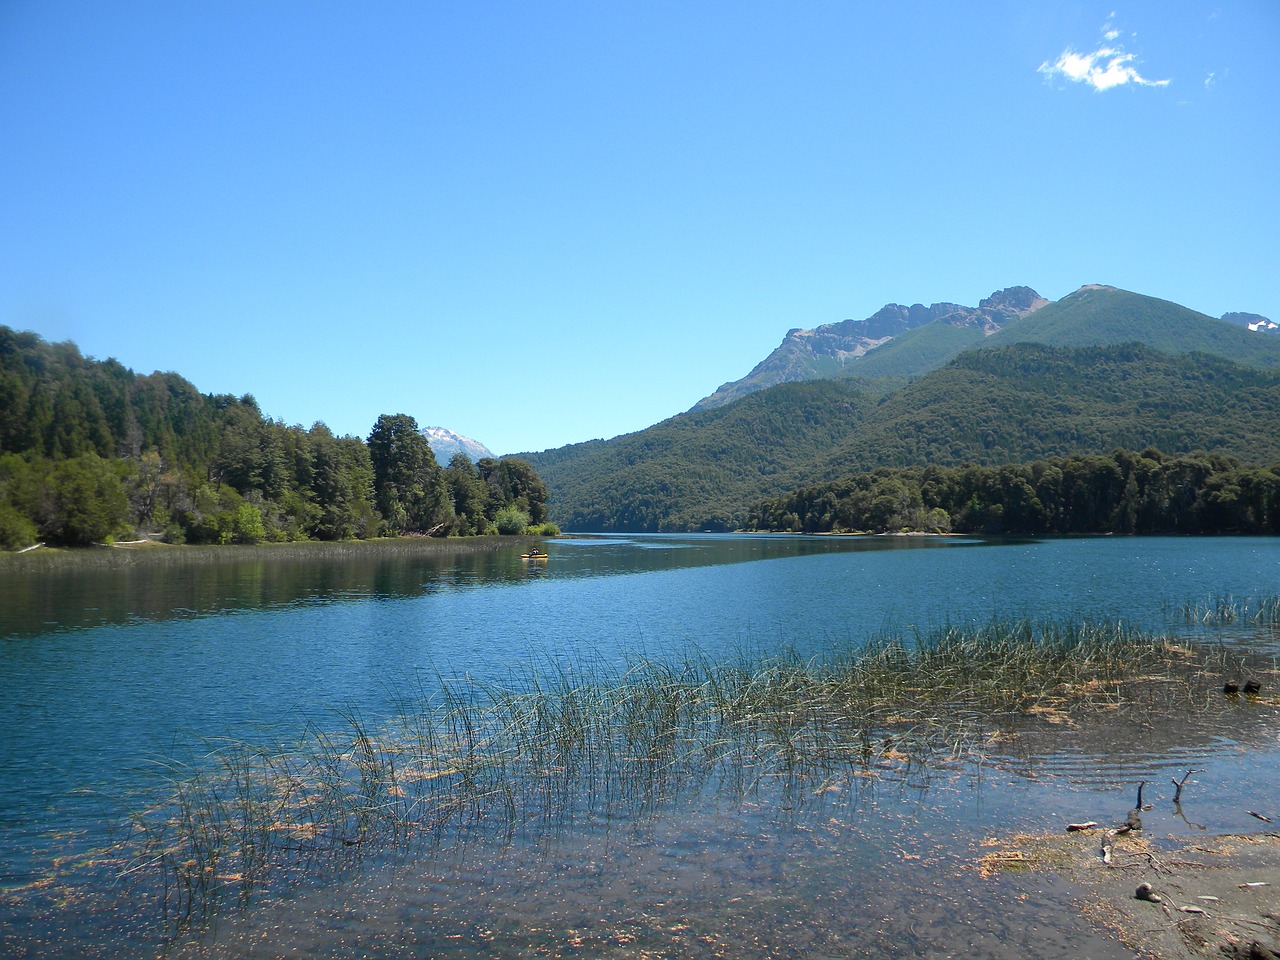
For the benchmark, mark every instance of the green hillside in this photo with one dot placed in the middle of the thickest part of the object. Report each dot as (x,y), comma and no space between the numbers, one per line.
(1105,315)
(697,471)
(991,406)
(915,352)
(1028,402)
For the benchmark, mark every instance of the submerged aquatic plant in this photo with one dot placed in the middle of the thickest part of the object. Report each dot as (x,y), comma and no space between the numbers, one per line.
(551,746)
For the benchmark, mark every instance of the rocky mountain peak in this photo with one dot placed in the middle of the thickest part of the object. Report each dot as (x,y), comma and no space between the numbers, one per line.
(1019,301)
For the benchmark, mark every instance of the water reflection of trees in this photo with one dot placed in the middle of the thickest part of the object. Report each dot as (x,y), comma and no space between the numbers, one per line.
(60,592)
(85,592)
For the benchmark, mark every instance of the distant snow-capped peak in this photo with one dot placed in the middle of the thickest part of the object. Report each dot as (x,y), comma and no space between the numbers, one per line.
(445,443)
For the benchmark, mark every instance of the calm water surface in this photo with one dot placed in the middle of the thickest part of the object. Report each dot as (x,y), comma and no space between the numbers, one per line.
(102,669)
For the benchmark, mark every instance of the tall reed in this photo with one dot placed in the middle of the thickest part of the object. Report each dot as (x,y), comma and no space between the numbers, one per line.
(1227,610)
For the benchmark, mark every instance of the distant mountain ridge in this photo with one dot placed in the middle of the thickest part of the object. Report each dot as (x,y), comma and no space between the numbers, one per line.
(445,443)
(899,341)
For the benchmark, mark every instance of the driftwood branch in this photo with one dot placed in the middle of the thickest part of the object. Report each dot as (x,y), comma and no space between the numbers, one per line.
(1179,784)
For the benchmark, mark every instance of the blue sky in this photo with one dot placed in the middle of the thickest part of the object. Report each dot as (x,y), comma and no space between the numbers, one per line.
(542,223)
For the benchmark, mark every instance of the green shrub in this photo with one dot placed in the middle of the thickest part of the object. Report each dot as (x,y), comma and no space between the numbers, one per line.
(16,531)
(511,521)
(246,525)
(90,501)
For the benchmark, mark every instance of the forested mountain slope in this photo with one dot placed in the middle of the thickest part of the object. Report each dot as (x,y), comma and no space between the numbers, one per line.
(1028,401)
(990,406)
(698,471)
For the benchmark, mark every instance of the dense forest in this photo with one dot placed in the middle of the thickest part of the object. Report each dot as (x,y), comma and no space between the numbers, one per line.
(91,451)
(1124,492)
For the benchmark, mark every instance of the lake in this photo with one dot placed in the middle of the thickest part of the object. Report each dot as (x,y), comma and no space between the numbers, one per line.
(107,669)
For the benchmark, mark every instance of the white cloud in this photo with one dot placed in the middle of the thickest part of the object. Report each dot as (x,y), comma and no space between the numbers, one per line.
(1106,67)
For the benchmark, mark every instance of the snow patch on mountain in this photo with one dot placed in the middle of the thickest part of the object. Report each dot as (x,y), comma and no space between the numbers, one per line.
(445,443)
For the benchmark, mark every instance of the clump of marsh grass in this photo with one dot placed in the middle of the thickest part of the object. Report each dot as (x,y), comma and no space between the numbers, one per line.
(554,745)
(240,812)
(1228,611)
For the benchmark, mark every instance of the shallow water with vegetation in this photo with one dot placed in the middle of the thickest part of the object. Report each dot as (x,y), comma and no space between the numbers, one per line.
(645,746)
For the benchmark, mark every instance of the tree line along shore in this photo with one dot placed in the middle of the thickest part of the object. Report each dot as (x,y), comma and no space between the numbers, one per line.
(91,452)
(1124,492)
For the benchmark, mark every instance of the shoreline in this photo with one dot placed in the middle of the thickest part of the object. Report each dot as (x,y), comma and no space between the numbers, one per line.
(145,552)
(1210,896)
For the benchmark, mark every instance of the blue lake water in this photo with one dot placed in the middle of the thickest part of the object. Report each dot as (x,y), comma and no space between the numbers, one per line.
(103,669)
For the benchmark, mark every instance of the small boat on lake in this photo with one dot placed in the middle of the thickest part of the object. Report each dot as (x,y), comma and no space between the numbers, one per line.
(533,555)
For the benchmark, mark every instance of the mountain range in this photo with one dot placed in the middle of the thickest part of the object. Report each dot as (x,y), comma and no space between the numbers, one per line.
(909,341)
(1015,379)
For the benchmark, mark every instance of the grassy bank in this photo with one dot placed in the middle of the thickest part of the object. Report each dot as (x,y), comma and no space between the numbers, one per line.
(550,747)
(151,552)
